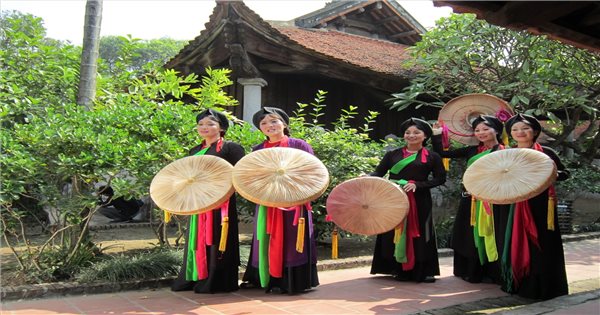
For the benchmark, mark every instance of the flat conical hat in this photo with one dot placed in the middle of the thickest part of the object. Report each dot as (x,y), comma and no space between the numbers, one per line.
(459,112)
(192,185)
(280,177)
(509,176)
(367,205)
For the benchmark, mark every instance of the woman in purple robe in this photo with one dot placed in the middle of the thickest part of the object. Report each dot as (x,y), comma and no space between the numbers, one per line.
(275,263)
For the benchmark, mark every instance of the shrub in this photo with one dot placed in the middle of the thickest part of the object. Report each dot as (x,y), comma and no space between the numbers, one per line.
(146,265)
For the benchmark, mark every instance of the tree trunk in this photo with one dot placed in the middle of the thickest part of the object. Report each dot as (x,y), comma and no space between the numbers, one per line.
(89,54)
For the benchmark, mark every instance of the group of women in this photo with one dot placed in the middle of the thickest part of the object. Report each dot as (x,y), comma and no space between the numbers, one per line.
(509,245)
(274,263)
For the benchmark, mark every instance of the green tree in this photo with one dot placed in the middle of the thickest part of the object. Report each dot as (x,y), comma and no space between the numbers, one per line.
(117,51)
(536,75)
(35,70)
(55,151)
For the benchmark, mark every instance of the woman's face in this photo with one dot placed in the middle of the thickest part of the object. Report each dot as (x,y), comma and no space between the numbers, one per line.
(272,126)
(522,132)
(208,128)
(414,135)
(485,133)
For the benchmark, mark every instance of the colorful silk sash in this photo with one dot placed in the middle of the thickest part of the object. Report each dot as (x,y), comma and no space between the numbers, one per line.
(482,220)
(409,229)
(270,237)
(201,235)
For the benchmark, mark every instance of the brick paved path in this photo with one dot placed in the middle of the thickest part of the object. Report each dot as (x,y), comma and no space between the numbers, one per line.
(348,291)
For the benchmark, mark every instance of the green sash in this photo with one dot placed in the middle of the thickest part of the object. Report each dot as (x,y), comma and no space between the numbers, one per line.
(402,164)
(201,152)
(477,156)
(263,246)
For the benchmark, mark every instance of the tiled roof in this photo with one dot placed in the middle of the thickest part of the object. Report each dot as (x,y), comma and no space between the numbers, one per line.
(376,55)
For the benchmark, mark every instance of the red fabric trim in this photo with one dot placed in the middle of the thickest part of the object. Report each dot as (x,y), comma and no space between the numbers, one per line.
(275,229)
(412,231)
(424,154)
(486,207)
(445,136)
(219,144)
(208,216)
(284,143)
(224,210)
(200,252)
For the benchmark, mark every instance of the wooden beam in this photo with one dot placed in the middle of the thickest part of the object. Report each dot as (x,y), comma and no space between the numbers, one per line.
(277,68)
(361,25)
(567,36)
(388,19)
(404,34)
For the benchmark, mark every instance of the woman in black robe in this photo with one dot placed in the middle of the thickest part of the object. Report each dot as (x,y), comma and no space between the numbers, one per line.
(472,262)
(536,264)
(213,270)
(411,256)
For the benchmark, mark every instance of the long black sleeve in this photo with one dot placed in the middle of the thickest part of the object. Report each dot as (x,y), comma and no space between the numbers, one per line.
(464,152)
(438,173)
(563,173)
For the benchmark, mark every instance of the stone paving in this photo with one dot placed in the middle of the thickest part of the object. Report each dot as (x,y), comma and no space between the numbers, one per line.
(349,291)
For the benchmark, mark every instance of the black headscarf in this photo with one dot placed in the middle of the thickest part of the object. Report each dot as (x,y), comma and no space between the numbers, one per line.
(491,122)
(527,119)
(260,115)
(420,124)
(221,118)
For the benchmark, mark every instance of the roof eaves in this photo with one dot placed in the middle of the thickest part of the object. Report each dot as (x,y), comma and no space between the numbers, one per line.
(196,42)
(409,18)
(331,9)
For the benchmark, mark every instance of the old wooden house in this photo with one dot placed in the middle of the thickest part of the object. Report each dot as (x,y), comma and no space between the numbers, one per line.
(354,50)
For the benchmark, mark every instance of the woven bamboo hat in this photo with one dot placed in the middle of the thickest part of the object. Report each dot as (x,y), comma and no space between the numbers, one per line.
(367,205)
(280,177)
(192,185)
(509,176)
(459,113)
